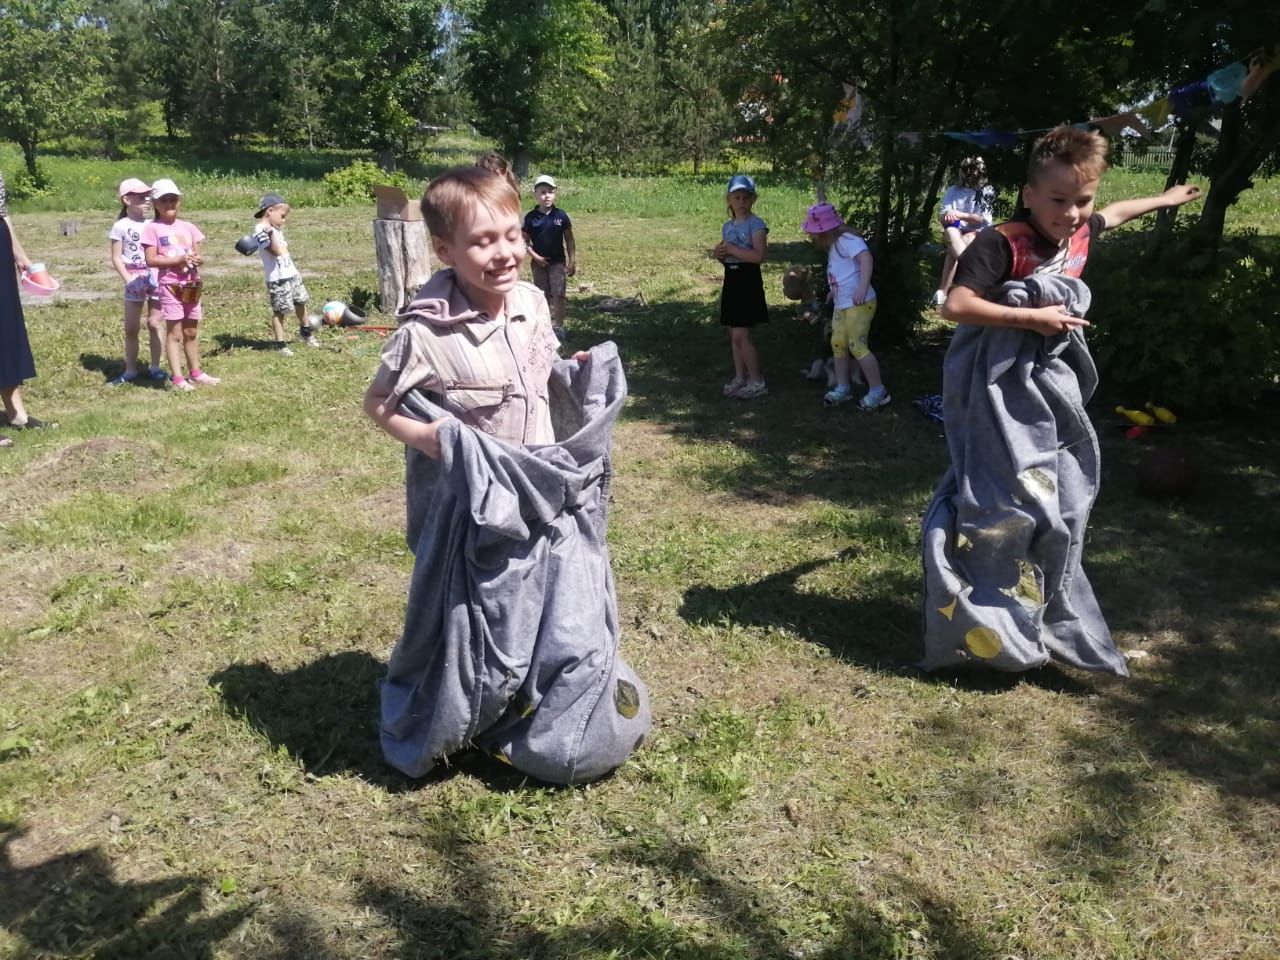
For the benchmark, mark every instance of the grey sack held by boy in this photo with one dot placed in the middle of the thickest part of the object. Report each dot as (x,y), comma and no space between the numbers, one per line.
(1004,533)
(511,632)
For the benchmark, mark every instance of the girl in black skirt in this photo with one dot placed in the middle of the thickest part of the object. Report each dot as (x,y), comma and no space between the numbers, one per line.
(742,248)
(16,363)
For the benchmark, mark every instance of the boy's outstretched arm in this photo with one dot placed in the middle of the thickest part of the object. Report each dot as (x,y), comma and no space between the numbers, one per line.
(410,432)
(1125,210)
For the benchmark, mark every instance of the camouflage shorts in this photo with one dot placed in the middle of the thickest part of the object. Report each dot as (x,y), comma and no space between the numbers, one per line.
(283,294)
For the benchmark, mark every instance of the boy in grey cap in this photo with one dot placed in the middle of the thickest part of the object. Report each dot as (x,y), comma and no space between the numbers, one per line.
(285,288)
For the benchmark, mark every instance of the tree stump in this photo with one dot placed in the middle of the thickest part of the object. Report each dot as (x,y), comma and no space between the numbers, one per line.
(404,261)
(68,228)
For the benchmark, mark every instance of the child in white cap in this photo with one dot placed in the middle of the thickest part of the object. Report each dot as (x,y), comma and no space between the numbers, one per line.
(849,277)
(548,233)
(141,292)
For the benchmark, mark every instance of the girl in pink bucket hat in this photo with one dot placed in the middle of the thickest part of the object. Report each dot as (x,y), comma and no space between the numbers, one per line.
(849,277)
(141,291)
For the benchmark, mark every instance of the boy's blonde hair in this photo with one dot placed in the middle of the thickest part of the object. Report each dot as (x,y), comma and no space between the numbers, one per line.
(1084,151)
(451,197)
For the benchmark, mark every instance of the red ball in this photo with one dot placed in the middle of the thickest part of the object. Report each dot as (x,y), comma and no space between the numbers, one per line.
(1166,473)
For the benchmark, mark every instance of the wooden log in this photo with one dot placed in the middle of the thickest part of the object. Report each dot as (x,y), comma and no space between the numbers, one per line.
(404,261)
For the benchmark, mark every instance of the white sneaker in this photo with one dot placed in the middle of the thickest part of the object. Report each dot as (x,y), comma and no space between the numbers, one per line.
(755,388)
(733,386)
(939,298)
(205,380)
(284,351)
(184,385)
(879,397)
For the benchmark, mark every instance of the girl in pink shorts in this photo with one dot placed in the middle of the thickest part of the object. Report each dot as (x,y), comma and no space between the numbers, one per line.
(173,247)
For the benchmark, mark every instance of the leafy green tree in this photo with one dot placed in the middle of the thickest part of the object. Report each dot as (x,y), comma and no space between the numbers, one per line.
(378,75)
(51,54)
(529,62)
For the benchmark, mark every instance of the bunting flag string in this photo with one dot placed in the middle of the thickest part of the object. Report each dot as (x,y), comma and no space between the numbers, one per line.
(1235,81)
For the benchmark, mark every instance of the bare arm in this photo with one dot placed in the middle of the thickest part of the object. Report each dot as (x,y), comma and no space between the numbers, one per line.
(1123,211)
(963,305)
(117,260)
(756,254)
(20,258)
(410,432)
(570,252)
(865,264)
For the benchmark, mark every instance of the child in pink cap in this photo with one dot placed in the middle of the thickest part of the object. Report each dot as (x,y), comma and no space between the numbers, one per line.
(141,293)
(849,277)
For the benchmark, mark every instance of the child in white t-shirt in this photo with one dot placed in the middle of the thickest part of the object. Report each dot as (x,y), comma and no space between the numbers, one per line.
(285,288)
(966,209)
(141,289)
(849,277)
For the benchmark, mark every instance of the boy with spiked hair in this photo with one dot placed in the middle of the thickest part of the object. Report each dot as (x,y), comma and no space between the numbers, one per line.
(1003,536)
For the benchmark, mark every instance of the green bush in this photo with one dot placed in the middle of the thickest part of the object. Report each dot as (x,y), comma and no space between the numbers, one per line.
(20,185)
(1187,328)
(354,183)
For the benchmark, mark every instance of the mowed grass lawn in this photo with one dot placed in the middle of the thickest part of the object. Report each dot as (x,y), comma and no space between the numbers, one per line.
(198,594)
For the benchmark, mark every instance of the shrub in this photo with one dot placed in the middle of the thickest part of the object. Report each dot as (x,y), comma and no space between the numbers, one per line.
(354,183)
(20,185)
(1191,329)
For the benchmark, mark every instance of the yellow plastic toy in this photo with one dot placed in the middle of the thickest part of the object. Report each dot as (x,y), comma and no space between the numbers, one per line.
(1136,416)
(1162,414)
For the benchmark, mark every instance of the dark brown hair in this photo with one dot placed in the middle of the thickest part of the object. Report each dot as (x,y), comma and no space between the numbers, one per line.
(1084,151)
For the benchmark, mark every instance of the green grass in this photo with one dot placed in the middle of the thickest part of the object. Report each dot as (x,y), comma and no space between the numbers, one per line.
(200,592)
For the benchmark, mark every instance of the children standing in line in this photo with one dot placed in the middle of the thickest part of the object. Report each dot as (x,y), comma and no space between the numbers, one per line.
(173,247)
(966,209)
(285,289)
(849,278)
(141,295)
(743,246)
(549,233)
(1004,534)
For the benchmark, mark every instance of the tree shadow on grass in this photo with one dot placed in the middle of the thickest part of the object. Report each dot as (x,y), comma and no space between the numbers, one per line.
(72,904)
(876,630)
(325,713)
(473,924)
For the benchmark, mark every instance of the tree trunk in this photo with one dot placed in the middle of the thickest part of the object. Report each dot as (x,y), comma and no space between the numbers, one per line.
(28,144)
(404,261)
(1184,145)
(1233,173)
(520,162)
(387,159)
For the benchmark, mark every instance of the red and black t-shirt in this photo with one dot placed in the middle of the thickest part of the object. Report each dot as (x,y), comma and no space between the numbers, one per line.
(1015,250)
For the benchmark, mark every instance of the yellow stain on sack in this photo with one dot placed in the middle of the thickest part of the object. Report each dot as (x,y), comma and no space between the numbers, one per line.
(983,642)
(949,610)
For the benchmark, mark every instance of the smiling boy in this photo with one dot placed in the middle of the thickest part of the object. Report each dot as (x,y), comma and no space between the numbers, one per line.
(476,336)
(1051,236)
(1003,537)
